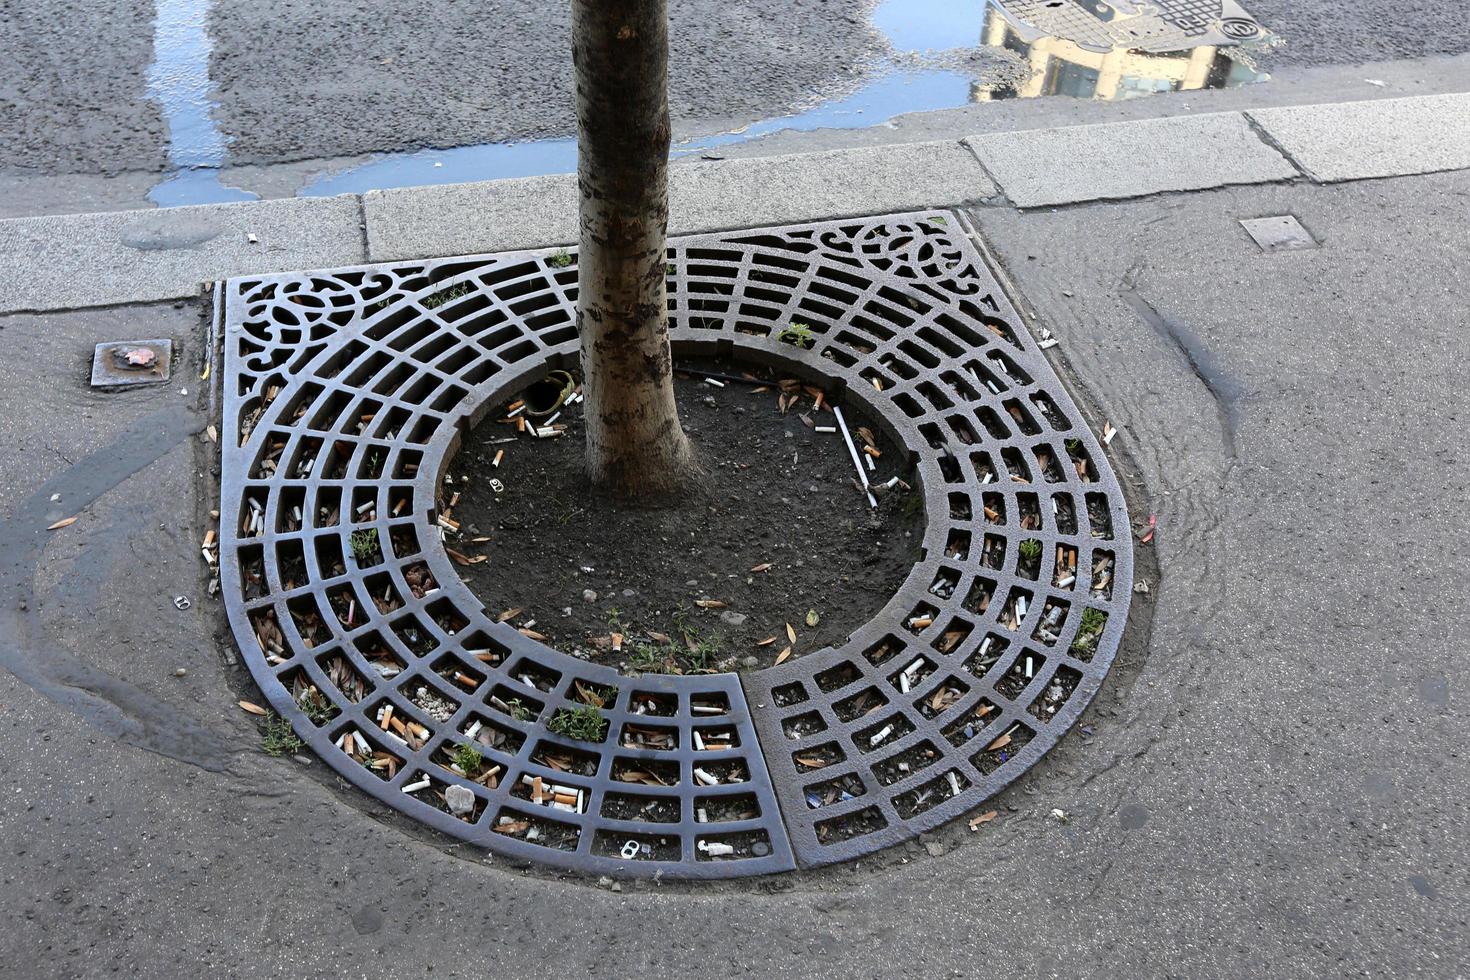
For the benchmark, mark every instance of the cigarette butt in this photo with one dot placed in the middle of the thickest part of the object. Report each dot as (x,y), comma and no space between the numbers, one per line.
(499,455)
(520,425)
(209,538)
(250,237)
(617,642)
(387,718)
(872,452)
(826,428)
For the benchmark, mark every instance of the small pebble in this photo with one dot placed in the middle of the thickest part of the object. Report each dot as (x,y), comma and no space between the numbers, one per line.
(589,595)
(180,672)
(750,662)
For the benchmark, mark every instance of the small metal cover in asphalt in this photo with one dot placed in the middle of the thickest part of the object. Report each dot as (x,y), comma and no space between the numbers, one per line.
(1278,234)
(123,363)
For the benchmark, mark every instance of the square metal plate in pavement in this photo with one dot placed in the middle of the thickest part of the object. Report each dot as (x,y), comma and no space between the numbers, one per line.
(123,363)
(1278,234)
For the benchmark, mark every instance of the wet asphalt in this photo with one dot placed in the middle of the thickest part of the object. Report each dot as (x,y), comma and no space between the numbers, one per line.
(307,88)
(1271,785)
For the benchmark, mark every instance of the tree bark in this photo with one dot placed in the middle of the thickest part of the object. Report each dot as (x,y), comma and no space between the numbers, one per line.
(635,445)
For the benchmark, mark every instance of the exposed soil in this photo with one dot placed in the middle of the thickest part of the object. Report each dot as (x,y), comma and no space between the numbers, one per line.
(778,496)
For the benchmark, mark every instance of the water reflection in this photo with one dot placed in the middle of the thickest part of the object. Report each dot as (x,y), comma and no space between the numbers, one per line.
(178,80)
(944,54)
(1112,52)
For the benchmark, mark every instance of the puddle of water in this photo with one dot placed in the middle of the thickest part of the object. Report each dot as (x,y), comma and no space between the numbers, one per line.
(178,80)
(874,103)
(1088,62)
(1096,50)
(929,25)
(912,27)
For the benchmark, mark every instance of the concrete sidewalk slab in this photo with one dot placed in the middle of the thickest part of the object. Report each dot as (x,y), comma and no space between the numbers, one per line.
(70,261)
(1043,167)
(1382,138)
(461,219)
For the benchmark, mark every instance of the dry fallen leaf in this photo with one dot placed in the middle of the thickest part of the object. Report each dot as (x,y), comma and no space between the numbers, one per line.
(508,614)
(985,817)
(253,708)
(790,633)
(781,657)
(812,619)
(999,743)
(213,434)
(763,567)
(64,522)
(709,603)
(766,642)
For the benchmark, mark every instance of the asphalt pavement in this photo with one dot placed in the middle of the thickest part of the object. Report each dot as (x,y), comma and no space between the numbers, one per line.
(1269,783)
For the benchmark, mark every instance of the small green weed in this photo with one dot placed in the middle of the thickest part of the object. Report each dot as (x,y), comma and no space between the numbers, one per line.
(443,296)
(798,335)
(1030,549)
(317,707)
(279,738)
(468,758)
(364,543)
(560,259)
(584,724)
(519,711)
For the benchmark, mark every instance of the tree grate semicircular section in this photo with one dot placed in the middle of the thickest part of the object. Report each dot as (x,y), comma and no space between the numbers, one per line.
(346,393)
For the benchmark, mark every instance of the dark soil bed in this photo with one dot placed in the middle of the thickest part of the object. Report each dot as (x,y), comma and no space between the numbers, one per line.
(679,582)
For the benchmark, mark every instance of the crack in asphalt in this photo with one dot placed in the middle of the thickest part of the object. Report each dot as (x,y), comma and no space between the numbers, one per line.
(1227,392)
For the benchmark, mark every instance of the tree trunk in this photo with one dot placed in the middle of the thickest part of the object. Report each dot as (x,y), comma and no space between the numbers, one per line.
(635,445)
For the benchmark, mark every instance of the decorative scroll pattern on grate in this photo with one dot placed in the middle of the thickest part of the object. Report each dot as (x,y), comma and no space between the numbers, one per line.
(346,393)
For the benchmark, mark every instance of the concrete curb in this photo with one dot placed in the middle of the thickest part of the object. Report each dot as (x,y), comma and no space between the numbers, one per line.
(1043,167)
(88,260)
(492,216)
(77,260)
(1382,138)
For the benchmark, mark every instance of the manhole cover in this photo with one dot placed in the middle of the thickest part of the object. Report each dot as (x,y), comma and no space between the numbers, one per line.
(346,392)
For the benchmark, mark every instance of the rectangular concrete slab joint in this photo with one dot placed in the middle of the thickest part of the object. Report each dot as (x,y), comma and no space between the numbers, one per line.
(1044,167)
(1381,138)
(460,219)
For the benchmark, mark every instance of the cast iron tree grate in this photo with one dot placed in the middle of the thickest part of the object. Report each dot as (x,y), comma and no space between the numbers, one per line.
(346,394)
